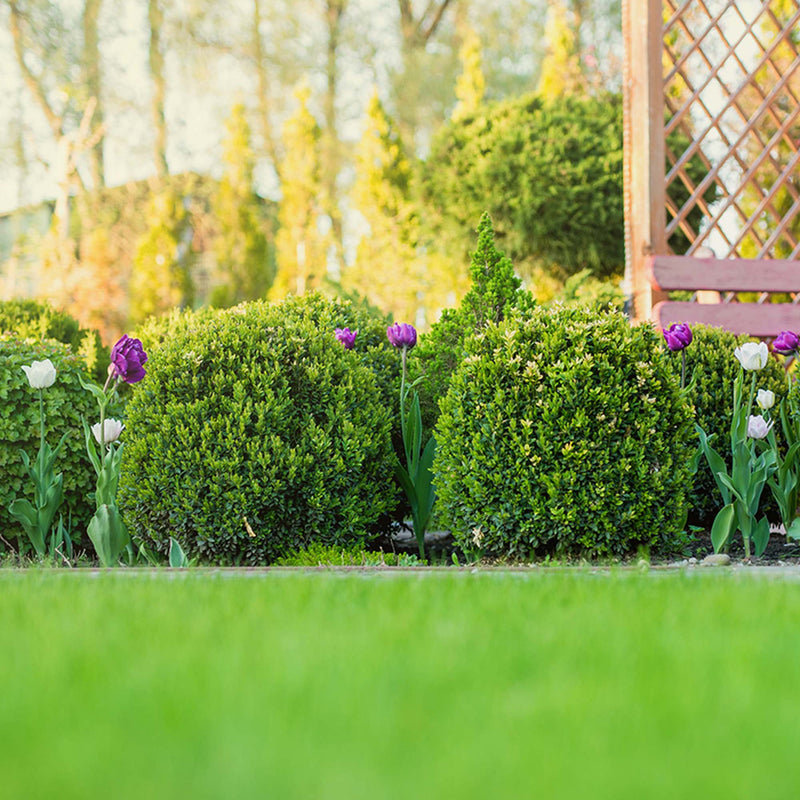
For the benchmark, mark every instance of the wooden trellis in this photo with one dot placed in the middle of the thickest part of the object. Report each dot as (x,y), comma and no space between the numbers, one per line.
(712,154)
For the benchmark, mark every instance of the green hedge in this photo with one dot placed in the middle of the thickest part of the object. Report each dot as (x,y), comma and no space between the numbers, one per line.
(65,403)
(31,319)
(710,359)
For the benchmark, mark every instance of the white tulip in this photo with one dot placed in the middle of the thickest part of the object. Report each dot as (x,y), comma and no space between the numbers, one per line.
(41,374)
(752,355)
(758,427)
(765,399)
(112,428)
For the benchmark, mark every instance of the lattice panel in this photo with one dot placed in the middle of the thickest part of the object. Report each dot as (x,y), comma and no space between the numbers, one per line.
(732,127)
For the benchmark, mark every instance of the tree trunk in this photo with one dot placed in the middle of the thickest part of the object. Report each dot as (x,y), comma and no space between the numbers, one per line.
(33,84)
(92,76)
(155,19)
(260,61)
(334,10)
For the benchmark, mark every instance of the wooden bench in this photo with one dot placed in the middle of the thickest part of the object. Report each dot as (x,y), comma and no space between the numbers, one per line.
(710,275)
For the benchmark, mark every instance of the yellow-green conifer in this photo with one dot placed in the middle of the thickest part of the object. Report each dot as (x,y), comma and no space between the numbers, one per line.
(387,270)
(300,245)
(244,268)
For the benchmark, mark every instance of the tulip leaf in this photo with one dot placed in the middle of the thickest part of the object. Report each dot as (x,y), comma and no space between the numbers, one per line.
(723,527)
(407,485)
(793,531)
(791,457)
(761,536)
(731,487)
(90,446)
(23,512)
(426,493)
(96,390)
(715,462)
(177,558)
(108,534)
(789,432)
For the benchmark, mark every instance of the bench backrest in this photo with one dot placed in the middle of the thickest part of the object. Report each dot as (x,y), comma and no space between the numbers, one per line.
(762,319)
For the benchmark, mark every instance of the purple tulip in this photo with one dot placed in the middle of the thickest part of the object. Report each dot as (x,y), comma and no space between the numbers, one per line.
(678,336)
(346,337)
(786,343)
(402,334)
(127,359)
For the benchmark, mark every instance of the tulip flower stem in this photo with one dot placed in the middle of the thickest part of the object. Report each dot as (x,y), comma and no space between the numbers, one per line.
(102,431)
(41,419)
(752,395)
(403,353)
(683,368)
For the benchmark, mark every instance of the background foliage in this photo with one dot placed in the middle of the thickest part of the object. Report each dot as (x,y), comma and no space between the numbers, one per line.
(548,171)
(311,150)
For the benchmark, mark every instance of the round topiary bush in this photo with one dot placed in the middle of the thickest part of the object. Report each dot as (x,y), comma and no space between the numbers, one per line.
(371,345)
(564,432)
(710,359)
(255,434)
(65,402)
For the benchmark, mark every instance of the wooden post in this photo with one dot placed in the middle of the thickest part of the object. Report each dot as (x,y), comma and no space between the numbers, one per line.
(644,168)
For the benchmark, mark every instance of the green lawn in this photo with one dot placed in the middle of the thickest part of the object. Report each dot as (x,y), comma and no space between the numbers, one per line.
(437,685)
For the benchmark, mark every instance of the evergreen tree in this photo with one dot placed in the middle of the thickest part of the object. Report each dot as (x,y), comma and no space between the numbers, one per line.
(471,83)
(495,290)
(161,278)
(245,271)
(300,245)
(561,67)
(386,269)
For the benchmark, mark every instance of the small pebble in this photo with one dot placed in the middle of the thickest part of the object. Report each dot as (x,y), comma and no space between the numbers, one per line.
(716,560)
(692,561)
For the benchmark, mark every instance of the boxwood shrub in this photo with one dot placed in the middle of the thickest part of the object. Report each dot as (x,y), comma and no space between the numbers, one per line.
(372,347)
(64,402)
(256,433)
(564,432)
(32,319)
(710,359)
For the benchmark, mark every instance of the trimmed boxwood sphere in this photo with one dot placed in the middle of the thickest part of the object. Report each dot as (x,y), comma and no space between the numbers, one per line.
(256,433)
(564,432)
(371,345)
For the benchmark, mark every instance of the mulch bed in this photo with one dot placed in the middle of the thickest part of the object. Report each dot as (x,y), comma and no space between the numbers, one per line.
(779,552)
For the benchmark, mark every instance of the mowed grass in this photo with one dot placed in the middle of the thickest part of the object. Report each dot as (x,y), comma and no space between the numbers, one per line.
(451,685)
